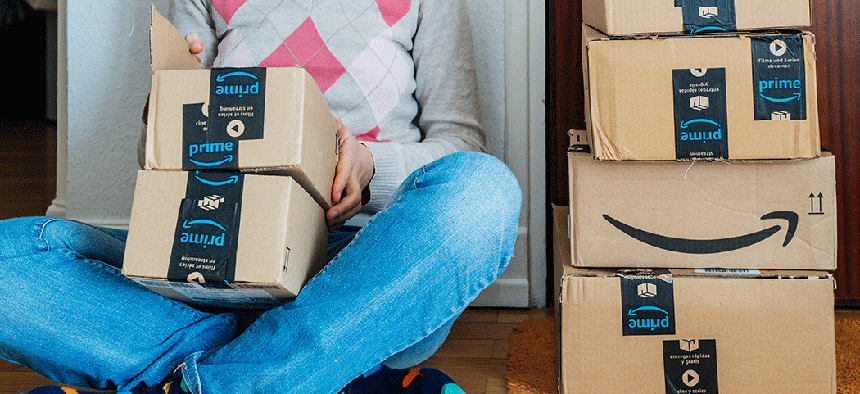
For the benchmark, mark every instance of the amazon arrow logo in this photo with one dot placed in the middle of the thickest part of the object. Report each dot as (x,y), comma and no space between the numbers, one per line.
(709,246)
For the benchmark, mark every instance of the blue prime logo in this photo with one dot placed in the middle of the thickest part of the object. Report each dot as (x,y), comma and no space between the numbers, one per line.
(779,87)
(237,89)
(199,238)
(714,135)
(211,147)
(639,318)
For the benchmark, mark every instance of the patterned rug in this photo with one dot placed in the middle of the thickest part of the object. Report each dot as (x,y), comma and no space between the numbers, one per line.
(532,354)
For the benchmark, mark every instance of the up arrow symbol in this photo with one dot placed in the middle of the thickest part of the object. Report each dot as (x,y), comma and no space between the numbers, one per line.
(812,210)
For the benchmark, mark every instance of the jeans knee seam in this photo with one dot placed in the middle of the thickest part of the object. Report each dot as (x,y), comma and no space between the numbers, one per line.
(42,233)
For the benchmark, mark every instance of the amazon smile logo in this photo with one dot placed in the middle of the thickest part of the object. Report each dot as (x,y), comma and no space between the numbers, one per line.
(710,246)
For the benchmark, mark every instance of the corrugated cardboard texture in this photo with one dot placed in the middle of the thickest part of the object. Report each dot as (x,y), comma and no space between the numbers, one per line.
(627,17)
(703,201)
(282,233)
(772,335)
(629,97)
(168,49)
(300,134)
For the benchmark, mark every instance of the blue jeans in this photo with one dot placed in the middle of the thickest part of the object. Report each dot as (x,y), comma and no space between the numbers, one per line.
(388,297)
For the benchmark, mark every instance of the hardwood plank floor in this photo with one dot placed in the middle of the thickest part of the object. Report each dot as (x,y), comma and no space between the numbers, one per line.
(28,167)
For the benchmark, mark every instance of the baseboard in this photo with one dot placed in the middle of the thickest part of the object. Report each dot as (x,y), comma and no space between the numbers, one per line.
(505,293)
(57,208)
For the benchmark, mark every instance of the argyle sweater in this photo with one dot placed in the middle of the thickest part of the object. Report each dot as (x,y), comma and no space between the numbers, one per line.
(398,73)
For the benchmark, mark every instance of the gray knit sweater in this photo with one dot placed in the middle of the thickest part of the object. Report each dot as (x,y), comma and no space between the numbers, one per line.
(398,73)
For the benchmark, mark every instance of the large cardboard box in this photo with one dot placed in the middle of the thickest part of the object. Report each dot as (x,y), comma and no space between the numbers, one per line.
(264,120)
(631,17)
(671,214)
(681,331)
(727,96)
(224,239)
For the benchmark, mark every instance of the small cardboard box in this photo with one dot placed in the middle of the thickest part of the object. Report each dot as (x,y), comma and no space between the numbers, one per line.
(671,214)
(728,96)
(682,331)
(264,120)
(629,17)
(224,238)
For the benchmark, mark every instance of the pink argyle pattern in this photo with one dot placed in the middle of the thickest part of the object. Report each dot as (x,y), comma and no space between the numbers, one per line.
(305,48)
(393,10)
(355,50)
(226,8)
(371,136)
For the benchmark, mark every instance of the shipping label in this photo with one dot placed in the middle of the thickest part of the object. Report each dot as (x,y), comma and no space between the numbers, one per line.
(690,366)
(704,16)
(647,306)
(700,113)
(779,77)
(207,228)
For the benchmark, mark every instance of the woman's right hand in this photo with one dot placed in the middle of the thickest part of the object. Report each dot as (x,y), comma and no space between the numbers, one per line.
(195,44)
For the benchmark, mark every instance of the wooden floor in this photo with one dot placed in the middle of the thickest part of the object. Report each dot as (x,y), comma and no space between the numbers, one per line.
(28,167)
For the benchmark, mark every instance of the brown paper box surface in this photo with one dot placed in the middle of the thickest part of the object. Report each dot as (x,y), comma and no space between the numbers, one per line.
(756,332)
(756,214)
(281,241)
(630,17)
(638,108)
(297,132)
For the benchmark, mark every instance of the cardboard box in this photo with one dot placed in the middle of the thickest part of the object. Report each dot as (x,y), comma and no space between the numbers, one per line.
(679,331)
(727,96)
(224,239)
(264,120)
(629,17)
(740,214)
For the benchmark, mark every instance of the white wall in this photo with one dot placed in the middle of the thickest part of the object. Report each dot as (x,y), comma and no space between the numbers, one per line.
(108,77)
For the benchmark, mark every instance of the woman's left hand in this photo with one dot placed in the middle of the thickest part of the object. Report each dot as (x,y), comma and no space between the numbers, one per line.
(353,173)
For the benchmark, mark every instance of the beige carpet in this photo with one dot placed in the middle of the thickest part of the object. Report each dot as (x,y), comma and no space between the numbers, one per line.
(532,355)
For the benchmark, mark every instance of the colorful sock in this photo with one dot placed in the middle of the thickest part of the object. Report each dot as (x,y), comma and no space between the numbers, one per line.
(384,380)
(176,385)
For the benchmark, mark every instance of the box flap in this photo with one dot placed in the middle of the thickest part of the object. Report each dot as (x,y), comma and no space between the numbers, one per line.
(168,49)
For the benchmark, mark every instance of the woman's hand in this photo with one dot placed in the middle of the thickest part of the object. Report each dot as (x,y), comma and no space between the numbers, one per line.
(353,173)
(195,44)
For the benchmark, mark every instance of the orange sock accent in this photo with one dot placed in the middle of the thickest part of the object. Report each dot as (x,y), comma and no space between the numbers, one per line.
(69,390)
(413,373)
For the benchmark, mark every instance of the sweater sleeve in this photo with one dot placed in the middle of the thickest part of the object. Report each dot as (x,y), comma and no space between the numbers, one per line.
(446,94)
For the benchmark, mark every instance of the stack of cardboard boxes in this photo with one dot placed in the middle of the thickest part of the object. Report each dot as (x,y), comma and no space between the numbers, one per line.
(693,257)
(229,210)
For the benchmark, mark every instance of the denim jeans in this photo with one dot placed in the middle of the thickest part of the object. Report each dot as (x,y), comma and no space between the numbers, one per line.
(388,297)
